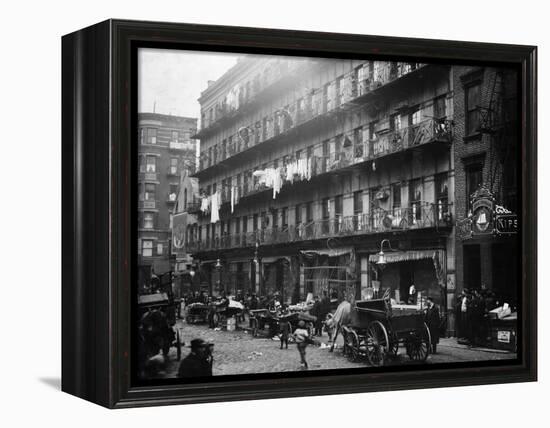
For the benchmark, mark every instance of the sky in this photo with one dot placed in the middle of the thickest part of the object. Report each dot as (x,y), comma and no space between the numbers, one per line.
(170,81)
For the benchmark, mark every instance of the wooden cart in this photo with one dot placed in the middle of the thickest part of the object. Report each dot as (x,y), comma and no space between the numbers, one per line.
(375,331)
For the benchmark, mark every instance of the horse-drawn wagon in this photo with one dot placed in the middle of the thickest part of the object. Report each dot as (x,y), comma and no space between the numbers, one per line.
(375,330)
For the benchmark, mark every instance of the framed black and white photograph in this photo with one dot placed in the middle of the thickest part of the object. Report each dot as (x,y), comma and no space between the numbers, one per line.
(256,213)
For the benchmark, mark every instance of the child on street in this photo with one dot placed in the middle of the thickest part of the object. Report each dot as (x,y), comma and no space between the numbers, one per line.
(301,336)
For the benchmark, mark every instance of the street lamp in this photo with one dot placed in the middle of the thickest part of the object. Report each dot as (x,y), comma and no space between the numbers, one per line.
(381,257)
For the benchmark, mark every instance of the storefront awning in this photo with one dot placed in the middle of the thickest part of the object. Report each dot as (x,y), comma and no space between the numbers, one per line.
(331,252)
(402,256)
(273,259)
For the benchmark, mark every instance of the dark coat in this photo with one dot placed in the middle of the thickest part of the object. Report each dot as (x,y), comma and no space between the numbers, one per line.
(433,321)
(194,366)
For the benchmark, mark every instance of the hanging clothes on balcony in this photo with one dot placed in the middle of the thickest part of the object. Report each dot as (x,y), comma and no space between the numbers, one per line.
(215,208)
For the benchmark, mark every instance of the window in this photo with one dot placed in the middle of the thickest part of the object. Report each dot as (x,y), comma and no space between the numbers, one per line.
(442,195)
(326,208)
(148,221)
(396,204)
(173,192)
(237,225)
(284,217)
(309,212)
(151,163)
(141,135)
(472,112)
(275,216)
(338,89)
(415,197)
(440,108)
(173,166)
(151,135)
(298,215)
(150,190)
(474,178)
(358,142)
(372,133)
(147,248)
(395,122)
(298,154)
(159,249)
(358,210)
(245,224)
(175,136)
(415,117)
(224,149)
(396,196)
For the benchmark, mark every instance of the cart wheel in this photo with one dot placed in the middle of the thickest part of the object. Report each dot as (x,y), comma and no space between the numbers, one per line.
(376,343)
(418,344)
(351,343)
(178,346)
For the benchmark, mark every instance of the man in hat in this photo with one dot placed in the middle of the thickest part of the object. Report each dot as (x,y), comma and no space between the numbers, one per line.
(199,361)
(433,322)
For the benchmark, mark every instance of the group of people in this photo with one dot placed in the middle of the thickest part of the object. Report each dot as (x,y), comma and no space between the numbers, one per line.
(472,305)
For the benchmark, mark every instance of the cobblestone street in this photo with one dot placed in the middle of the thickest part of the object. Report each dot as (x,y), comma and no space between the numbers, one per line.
(237,352)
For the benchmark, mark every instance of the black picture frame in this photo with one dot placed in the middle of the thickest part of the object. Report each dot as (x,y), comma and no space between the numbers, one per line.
(98,223)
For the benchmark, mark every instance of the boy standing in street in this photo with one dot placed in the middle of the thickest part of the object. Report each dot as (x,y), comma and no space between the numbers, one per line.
(301,336)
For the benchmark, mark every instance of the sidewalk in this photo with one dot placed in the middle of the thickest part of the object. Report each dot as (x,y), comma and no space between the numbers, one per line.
(451,342)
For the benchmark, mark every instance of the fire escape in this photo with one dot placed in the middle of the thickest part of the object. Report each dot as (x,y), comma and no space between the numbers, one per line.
(496,121)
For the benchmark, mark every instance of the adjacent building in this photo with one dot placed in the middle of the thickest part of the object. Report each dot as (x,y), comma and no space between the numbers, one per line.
(167,152)
(310,167)
(486,179)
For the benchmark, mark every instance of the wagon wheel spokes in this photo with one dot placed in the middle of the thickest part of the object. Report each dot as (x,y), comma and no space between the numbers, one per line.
(418,344)
(376,343)
(352,345)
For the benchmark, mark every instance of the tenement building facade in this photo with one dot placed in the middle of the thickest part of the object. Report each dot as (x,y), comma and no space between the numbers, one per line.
(166,151)
(310,168)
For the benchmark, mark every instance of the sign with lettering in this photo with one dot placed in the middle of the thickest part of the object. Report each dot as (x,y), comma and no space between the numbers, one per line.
(486,218)
(506,224)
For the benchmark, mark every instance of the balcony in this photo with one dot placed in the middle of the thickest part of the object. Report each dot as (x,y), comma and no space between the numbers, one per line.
(259,88)
(149,176)
(430,131)
(187,145)
(299,117)
(149,204)
(418,216)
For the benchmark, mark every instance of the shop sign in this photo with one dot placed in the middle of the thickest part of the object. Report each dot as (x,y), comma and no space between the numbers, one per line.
(506,223)
(482,212)
(503,336)
(179,227)
(486,217)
